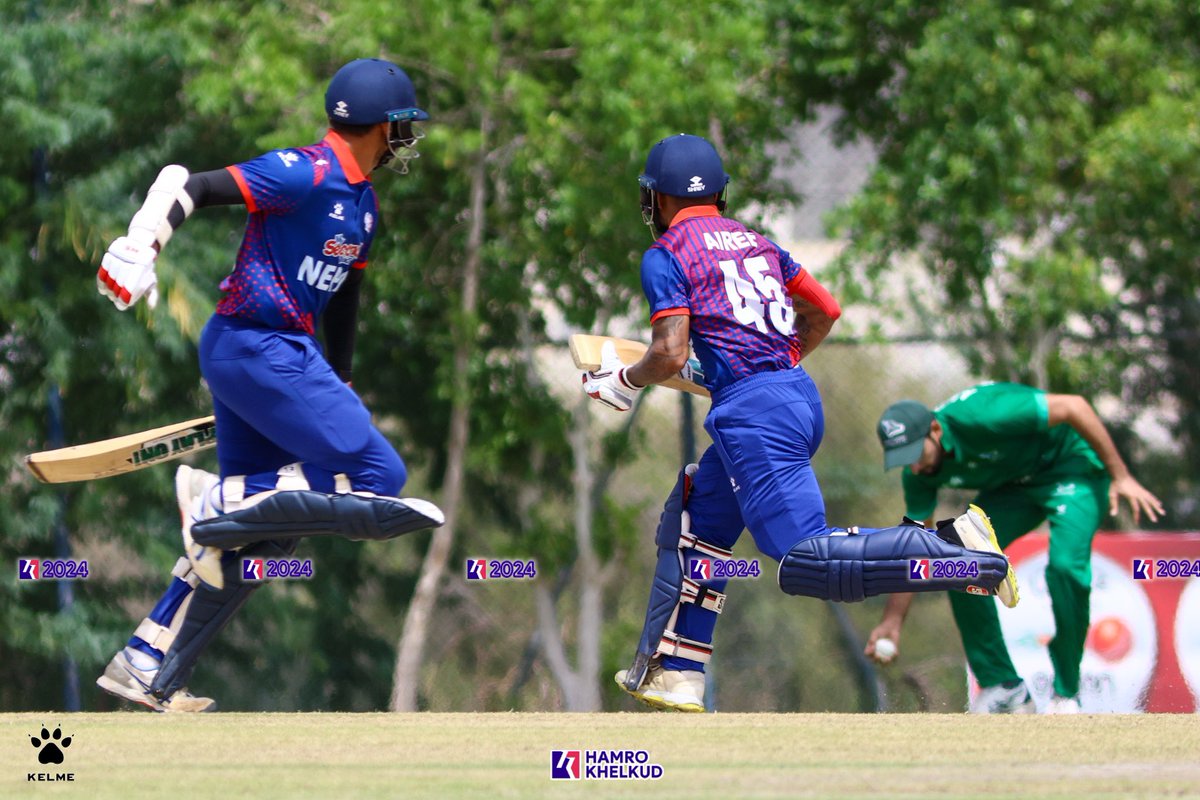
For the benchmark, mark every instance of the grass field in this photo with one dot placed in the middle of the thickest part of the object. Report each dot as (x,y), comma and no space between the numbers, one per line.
(720,756)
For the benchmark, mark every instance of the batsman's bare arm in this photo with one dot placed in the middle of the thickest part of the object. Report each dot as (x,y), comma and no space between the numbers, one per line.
(816,311)
(668,352)
(1077,412)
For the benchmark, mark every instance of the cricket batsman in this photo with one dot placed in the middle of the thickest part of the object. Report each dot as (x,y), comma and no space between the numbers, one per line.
(750,312)
(297,451)
(1033,457)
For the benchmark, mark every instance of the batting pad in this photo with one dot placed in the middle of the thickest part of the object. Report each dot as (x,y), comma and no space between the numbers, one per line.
(849,567)
(299,514)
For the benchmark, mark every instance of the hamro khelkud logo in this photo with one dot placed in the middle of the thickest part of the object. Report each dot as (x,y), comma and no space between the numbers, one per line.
(603,765)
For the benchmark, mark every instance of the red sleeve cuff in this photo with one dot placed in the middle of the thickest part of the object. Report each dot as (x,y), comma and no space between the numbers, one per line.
(243,187)
(671,312)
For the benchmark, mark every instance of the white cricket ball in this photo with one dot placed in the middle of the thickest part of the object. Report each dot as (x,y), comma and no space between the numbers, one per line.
(885,650)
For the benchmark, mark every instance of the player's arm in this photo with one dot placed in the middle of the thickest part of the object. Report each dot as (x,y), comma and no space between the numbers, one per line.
(816,311)
(668,351)
(341,324)
(1077,412)
(126,272)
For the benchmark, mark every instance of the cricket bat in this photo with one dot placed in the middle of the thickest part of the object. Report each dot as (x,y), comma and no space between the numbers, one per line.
(585,350)
(85,462)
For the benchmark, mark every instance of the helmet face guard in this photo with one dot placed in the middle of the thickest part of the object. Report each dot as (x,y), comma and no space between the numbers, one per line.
(403,135)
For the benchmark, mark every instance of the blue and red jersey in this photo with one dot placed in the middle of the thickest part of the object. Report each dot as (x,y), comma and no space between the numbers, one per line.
(736,286)
(313,215)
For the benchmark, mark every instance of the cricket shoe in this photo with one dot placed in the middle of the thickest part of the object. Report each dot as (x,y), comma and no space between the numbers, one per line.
(668,690)
(1063,705)
(974,531)
(194,493)
(1001,699)
(123,679)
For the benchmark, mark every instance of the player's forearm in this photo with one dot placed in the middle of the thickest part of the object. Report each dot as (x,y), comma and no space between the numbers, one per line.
(667,354)
(812,324)
(896,609)
(1077,412)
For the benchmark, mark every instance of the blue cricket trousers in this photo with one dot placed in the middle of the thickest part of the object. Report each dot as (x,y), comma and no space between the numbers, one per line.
(277,401)
(757,474)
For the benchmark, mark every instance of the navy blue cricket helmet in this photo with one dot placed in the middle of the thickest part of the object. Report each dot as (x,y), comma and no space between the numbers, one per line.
(681,166)
(370,90)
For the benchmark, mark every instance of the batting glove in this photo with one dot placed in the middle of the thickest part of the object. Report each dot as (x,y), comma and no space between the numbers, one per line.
(609,384)
(127,273)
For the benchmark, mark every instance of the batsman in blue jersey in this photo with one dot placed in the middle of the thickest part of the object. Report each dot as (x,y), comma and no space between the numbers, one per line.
(751,313)
(297,451)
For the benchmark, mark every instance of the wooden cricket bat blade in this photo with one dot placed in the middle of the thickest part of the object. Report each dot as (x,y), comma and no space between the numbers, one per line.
(85,462)
(585,351)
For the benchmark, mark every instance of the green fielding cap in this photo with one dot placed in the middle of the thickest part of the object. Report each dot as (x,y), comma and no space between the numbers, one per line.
(902,430)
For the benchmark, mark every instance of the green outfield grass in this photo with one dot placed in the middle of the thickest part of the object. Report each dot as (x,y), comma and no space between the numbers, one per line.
(721,756)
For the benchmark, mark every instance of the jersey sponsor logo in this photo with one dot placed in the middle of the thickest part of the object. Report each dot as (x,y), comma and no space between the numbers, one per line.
(337,247)
(368,221)
(729,240)
(287,158)
(326,277)
(697,184)
(337,213)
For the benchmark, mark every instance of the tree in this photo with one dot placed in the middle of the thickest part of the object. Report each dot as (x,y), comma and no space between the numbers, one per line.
(1021,148)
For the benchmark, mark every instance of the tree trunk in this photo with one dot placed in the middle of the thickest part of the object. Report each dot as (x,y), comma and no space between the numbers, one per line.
(410,654)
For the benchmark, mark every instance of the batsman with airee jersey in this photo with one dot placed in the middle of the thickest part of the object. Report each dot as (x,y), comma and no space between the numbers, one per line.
(1033,457)
(297,451)
(751,313)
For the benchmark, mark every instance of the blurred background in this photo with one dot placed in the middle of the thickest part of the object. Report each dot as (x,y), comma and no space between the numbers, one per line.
(993,190)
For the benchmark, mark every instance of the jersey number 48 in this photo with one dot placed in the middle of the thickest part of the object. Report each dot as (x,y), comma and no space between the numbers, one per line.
(755,303)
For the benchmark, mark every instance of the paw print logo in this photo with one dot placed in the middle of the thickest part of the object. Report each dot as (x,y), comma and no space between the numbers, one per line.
(50,752)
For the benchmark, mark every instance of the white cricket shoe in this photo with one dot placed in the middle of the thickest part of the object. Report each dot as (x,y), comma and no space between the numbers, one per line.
(668,690)
(123,679)
(1063,705)
(193,492)
(976,532)
(1000,700)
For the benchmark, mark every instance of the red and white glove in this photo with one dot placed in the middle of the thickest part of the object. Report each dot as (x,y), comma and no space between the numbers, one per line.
(609,384)
(127,273)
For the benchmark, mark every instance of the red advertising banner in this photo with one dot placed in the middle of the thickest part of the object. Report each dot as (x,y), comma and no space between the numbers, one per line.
(1143,646)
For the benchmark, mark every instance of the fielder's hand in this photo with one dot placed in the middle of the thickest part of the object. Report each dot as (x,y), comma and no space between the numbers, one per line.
(127,273)
(608,384)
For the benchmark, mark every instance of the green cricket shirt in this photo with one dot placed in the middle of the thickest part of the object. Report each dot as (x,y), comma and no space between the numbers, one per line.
(998,434)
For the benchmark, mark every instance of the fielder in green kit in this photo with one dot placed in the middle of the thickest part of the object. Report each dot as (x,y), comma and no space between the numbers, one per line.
(1033,457)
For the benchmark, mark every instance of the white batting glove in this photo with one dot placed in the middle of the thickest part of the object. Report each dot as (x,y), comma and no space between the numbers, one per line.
(692,371)
(127,273)
(608,384)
